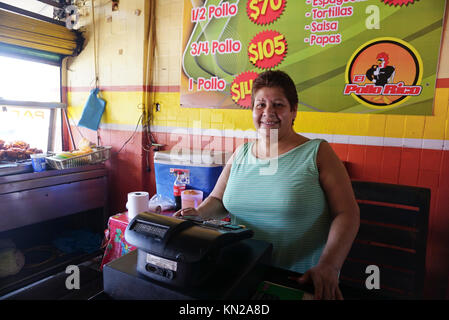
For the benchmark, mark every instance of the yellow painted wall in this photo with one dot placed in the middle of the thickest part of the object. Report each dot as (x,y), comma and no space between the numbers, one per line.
(123,109)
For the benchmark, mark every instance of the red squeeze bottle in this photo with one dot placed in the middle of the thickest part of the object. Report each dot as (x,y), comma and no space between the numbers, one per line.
(178,187)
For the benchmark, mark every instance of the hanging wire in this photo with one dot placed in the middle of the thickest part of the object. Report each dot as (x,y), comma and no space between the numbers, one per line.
(132,135)
(126,142)
(97,80)
(74,125)
(149,142)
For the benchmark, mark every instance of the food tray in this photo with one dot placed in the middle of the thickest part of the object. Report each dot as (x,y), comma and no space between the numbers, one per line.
(100,154)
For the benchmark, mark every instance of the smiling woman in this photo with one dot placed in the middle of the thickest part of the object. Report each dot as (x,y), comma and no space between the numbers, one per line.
(303,204)
(274,105)
(272,111)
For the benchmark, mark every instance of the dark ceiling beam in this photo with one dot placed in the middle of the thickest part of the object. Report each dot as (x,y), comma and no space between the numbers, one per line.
(30,14)
(52,3)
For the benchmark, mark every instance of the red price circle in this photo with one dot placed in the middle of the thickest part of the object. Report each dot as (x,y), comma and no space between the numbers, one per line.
(241,88)
(267,49)
(263,12)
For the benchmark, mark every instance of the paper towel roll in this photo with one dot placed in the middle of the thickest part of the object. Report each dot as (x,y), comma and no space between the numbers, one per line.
(137,203)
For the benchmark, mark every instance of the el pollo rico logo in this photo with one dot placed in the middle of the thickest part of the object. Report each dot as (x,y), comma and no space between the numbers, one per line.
(384,73)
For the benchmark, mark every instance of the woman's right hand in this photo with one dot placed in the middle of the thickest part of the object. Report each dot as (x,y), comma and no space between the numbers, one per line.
(186,212)
(210,208)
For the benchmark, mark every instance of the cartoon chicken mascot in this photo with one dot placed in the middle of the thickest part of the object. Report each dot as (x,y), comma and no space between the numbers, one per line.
(381,73)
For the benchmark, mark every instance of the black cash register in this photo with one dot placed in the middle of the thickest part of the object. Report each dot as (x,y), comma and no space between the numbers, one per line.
(181,252)
(186,259)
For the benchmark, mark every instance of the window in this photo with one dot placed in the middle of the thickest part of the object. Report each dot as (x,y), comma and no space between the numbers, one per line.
(35,6)
(29,92)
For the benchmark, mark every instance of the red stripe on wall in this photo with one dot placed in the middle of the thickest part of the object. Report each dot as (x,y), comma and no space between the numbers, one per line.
(126,88)
(442,83)
(165,89)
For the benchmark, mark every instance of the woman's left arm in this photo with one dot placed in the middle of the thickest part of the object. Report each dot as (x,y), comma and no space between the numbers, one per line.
(344,227)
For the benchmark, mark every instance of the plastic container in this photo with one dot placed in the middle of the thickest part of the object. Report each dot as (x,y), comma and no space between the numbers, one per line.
(203,168)
(191,198)
(38,162)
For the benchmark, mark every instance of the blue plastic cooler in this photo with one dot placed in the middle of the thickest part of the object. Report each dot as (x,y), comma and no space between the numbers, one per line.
(203,167)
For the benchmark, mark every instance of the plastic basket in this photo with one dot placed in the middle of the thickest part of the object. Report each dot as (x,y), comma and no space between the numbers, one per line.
(100,154)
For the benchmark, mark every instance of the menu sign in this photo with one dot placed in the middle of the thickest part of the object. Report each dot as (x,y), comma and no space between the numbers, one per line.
(350,56)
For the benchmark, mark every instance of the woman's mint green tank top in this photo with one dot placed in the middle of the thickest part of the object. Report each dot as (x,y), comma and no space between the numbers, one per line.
(282,201)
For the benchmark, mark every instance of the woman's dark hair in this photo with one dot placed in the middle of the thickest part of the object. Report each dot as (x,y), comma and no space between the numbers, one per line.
(278,79)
